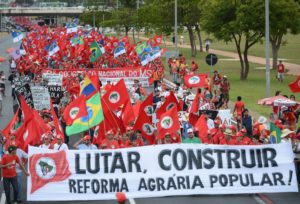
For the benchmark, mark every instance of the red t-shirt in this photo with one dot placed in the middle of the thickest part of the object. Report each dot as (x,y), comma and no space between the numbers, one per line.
(239,107)
(280,68)
(207,141)
(217,135)
(9,171)
(217,79)
(225,142)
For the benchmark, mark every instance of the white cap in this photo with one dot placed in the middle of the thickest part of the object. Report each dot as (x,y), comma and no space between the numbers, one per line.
(189,130)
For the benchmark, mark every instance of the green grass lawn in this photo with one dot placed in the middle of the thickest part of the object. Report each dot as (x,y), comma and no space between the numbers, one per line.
(289,51)
(252,89)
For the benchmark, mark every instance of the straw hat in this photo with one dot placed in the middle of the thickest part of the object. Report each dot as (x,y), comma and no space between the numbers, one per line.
(228,132)
(286,132)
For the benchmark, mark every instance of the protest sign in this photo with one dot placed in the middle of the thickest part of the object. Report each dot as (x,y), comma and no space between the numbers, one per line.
(41,97)
(53,79)
(225,116)
(178,169)
(25,91)
(55,93)
(129,74)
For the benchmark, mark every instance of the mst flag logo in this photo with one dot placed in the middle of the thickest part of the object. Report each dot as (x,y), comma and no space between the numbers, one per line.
(149,110)
(114,97)
(47,168)
(166,122)
(147,128)
(194,80)
(170,106)
(73,112)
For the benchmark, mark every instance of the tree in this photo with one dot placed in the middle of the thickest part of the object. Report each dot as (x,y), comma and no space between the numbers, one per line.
(284,18)
(241,21)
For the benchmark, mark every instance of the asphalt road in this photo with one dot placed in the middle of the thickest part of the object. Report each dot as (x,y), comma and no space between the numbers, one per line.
(289,198)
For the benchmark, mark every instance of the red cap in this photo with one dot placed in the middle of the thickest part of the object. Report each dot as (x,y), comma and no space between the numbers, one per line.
(232,127)
(223,126)
(58,137)
(277,122)
(121,197)
(110,132)
(167,133)
(87,137)
(217,122)
(208,132)
(239,134)
(243,130)
(129,128)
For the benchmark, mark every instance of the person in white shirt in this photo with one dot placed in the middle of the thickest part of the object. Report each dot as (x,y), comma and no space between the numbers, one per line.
(85,144)
(59,145)
(23,157)
(46,142)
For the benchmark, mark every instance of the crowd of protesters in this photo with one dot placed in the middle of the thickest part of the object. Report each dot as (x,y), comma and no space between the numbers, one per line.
(244,130)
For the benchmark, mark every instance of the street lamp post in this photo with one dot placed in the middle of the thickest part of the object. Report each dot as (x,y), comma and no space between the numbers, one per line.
(267,48)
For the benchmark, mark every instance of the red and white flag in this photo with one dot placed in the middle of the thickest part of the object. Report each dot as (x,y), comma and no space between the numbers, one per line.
(48,167)
(168,123)
(116,96)
(75,110)
(147,106)
(168,104)
(195,80)
(144,124)
(295,86)
(10,125)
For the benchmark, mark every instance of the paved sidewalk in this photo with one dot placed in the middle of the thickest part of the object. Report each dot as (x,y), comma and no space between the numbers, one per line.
(293,69)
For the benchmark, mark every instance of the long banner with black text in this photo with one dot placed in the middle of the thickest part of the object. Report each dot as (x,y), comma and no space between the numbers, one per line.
(161,170)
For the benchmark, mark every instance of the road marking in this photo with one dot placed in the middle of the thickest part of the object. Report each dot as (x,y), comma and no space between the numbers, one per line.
(3,198)
(131,201)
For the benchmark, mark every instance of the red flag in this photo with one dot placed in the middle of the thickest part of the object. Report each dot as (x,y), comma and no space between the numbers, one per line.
(193,118)
(127,114)
(201,126)
(25,109)
(116,96)
(195,104)
(57,125)
(136,108)
(31,131)
(48,167)
(295,86)
(10,125)
(168,123)
(75,110)
(144,124)
(169,103)
(195,80)
(147,106)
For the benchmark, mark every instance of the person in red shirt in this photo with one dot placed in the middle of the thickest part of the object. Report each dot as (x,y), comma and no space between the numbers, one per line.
(242,139)
(216,132)
(239,107)
(8,164)
(228,140)
(217,78)
(280,71)
(208,139)
(194,66)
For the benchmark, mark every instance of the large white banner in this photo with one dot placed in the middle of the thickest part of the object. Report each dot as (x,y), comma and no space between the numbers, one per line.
(161,170)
